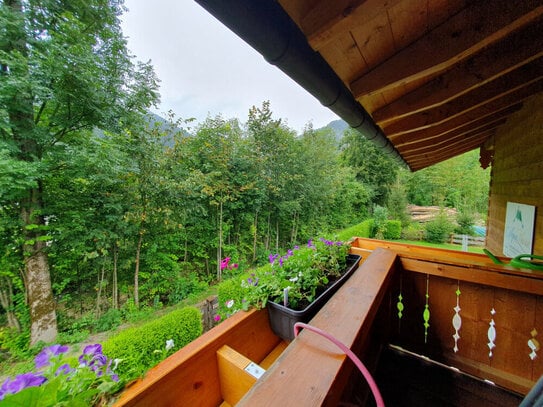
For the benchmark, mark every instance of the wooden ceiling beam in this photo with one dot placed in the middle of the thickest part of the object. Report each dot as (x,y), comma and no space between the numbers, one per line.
(465,34)
(499,59)
(420,145)
(461,123)
(489,97)
(427,146)
(426,160)
(330,19)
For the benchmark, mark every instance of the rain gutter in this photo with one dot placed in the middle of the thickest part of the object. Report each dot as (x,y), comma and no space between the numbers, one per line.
(267,28)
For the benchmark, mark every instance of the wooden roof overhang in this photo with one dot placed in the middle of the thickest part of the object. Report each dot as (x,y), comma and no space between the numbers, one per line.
(425,80)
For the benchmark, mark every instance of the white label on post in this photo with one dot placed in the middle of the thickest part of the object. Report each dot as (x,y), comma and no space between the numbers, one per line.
(254,370)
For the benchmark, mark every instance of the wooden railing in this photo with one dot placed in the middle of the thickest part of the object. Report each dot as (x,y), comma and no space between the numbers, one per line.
(463,310)
(455,307)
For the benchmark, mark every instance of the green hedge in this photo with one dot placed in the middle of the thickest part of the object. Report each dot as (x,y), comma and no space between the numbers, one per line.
(393,229)
(142,347)
(362,229)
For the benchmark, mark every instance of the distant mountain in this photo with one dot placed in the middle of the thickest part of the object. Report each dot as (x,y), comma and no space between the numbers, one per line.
(338,127)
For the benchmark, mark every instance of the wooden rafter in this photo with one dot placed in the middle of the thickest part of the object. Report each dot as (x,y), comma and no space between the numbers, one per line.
(465,34)
(460,124)
(507,97)
(426,145)
(497,60)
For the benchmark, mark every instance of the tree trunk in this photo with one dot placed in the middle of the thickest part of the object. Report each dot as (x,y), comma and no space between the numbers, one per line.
(99,295)
(115,289)
(277,235)
(43,321)
(43,318)
(255,235)
(6,300)
(219,249)
(137,271)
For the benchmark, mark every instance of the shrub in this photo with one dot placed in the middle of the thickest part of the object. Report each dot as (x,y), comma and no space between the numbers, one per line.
(414,231)
(110,320)
(143,347)
(439,229)
(465,223)
(363,229)
(230,295)
(393,229)
(380,216)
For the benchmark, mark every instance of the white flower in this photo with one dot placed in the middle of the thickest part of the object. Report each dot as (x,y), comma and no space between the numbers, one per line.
(229,304)
(169,344)
(293,279)
(116,363)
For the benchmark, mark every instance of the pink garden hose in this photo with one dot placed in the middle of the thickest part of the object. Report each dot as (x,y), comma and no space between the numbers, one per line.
(350,354)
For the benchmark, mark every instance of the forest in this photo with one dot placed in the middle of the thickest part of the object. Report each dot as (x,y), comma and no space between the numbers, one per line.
(104,209)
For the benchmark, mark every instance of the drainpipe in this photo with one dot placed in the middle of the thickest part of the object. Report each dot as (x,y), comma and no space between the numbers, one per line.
(266,27)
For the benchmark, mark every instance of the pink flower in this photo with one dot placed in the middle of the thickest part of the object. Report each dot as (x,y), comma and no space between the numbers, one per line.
(224,263)
(217,318)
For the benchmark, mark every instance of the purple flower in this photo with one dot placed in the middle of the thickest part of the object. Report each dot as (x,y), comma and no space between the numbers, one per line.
(64,369)
(217,318)
(42,359)
(310,243)
(92,356)
(21,382)
(290,252)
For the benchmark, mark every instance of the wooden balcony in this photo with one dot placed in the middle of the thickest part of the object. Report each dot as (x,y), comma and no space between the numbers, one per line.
(456,309)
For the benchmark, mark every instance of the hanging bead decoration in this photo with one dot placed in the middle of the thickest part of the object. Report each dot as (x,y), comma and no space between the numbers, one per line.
(426,313)
(457,319)
(491,333)
(533,344)
(399,304)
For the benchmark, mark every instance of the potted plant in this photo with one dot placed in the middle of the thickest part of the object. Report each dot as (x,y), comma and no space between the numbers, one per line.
(297,284)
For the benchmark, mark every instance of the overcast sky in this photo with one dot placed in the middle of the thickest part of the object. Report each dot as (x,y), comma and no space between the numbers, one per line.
(205,69)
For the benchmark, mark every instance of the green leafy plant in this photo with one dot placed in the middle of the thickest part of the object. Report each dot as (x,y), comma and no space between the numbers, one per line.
(61,380)
(140,348)
(393,229)
(297,277)
(439,229)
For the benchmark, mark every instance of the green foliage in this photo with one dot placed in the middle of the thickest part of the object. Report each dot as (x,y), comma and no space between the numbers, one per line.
(303,272)
(17,344)
(110,320)
(362,229)
(380,217)
(439,229)
(184,287)
(142,347)
(413,232)
(465,222)
(62,380)
(458,183)
(373,167)
(231,295)
(397,201)
(393,230)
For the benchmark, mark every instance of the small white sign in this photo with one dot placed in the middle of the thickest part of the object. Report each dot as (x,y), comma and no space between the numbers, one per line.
(519,229)
(254,370)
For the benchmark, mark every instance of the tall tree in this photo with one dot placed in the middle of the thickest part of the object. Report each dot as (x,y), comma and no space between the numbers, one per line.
(373,167)
(64,67)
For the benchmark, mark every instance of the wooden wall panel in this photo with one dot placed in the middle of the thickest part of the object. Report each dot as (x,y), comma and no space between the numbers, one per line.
(517,318)
(517,174)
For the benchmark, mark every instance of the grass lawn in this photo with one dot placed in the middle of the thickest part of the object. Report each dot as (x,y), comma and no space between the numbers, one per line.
(449,246)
